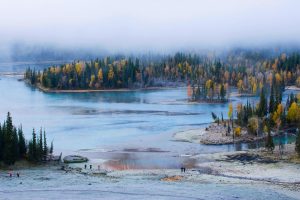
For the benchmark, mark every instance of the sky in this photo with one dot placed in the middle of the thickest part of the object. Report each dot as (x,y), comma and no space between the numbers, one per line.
(121,25)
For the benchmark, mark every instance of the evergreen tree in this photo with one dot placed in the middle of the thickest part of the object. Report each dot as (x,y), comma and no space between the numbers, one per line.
(297,144)
(40,146)
(15,139)
(271,102)
(45,148)
(51,148)
(9,152)
(1,142)
(222,92)
(34,146)
(22,143)
(269,142)
(262,107)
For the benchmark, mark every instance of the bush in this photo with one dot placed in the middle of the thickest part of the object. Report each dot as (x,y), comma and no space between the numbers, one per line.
(237,131)
(253,125)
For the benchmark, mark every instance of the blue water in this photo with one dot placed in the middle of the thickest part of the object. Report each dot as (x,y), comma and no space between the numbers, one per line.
(110,120)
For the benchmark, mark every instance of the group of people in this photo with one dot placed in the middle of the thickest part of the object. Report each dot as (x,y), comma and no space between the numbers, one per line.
(91,166)
(10,174)
(182,169)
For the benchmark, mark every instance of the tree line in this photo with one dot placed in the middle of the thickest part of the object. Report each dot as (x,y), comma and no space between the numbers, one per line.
(209,77)
(14,146)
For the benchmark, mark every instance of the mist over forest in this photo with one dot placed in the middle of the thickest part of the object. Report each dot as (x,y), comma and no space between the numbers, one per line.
(69,30)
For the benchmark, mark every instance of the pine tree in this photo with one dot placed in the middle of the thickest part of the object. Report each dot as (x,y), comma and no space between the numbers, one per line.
(9,155)
(269,142)
(34,146)
(222,92)
(297,145)
(1,142)
(45,148)
(51,148)
(22,143)
(15,140)
(40,146)
(271,102)
(262,108)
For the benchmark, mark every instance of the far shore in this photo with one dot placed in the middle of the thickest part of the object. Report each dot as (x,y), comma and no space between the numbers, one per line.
(47,90)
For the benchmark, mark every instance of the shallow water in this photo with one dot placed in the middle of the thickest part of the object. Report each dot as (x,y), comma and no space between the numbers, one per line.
(112,121)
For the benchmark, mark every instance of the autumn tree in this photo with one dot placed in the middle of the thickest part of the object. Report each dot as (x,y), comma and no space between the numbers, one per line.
(293,115)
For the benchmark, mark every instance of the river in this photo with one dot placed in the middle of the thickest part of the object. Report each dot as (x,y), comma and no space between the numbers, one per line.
(112,124)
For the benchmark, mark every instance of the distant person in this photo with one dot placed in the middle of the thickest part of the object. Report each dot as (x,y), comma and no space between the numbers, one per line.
(84,166)
(18,175)
(90,166)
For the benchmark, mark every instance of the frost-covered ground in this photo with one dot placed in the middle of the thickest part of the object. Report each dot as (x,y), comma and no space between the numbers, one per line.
(212,179)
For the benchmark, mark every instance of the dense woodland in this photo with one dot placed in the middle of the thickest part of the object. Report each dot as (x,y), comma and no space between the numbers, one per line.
(14,147)
(208,77)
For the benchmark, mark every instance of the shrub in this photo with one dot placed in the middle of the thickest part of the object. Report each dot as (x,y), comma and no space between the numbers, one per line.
(237,131)
(253,125)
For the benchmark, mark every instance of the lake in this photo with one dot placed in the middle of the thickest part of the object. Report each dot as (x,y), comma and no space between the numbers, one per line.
(112,124)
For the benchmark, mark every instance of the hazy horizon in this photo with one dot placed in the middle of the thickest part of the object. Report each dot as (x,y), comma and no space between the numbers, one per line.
(140,26)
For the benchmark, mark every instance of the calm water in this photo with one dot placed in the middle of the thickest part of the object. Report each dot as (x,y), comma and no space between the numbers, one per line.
(93,123)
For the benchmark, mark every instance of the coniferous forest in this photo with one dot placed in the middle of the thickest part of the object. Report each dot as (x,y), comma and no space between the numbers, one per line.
(14,146)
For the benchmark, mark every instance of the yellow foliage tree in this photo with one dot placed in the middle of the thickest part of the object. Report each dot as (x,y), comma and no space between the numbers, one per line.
(237,131)
(111,74)
(293,114)
(240,85)
(230,110)
(78,68)
(100,75)
(276,115)
(92,81)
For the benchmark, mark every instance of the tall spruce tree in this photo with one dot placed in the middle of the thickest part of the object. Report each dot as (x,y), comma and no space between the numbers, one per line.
(1,142)
(297,145)
(269,142)
(34,146)
(40,146)
(262,107)
(271,102)
(45,148)
(22,143)
(9,152)
(51,148)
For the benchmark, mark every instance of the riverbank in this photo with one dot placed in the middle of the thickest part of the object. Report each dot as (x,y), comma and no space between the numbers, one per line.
(48,90)
(292,87)
(214,134)
(218,175)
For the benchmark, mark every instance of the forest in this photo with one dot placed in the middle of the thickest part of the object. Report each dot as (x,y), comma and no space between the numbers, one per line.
(209,78)
(14,146)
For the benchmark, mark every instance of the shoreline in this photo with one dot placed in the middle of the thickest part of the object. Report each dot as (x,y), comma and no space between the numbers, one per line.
(47,90)
(292,87)
(214,135)
(236,169)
